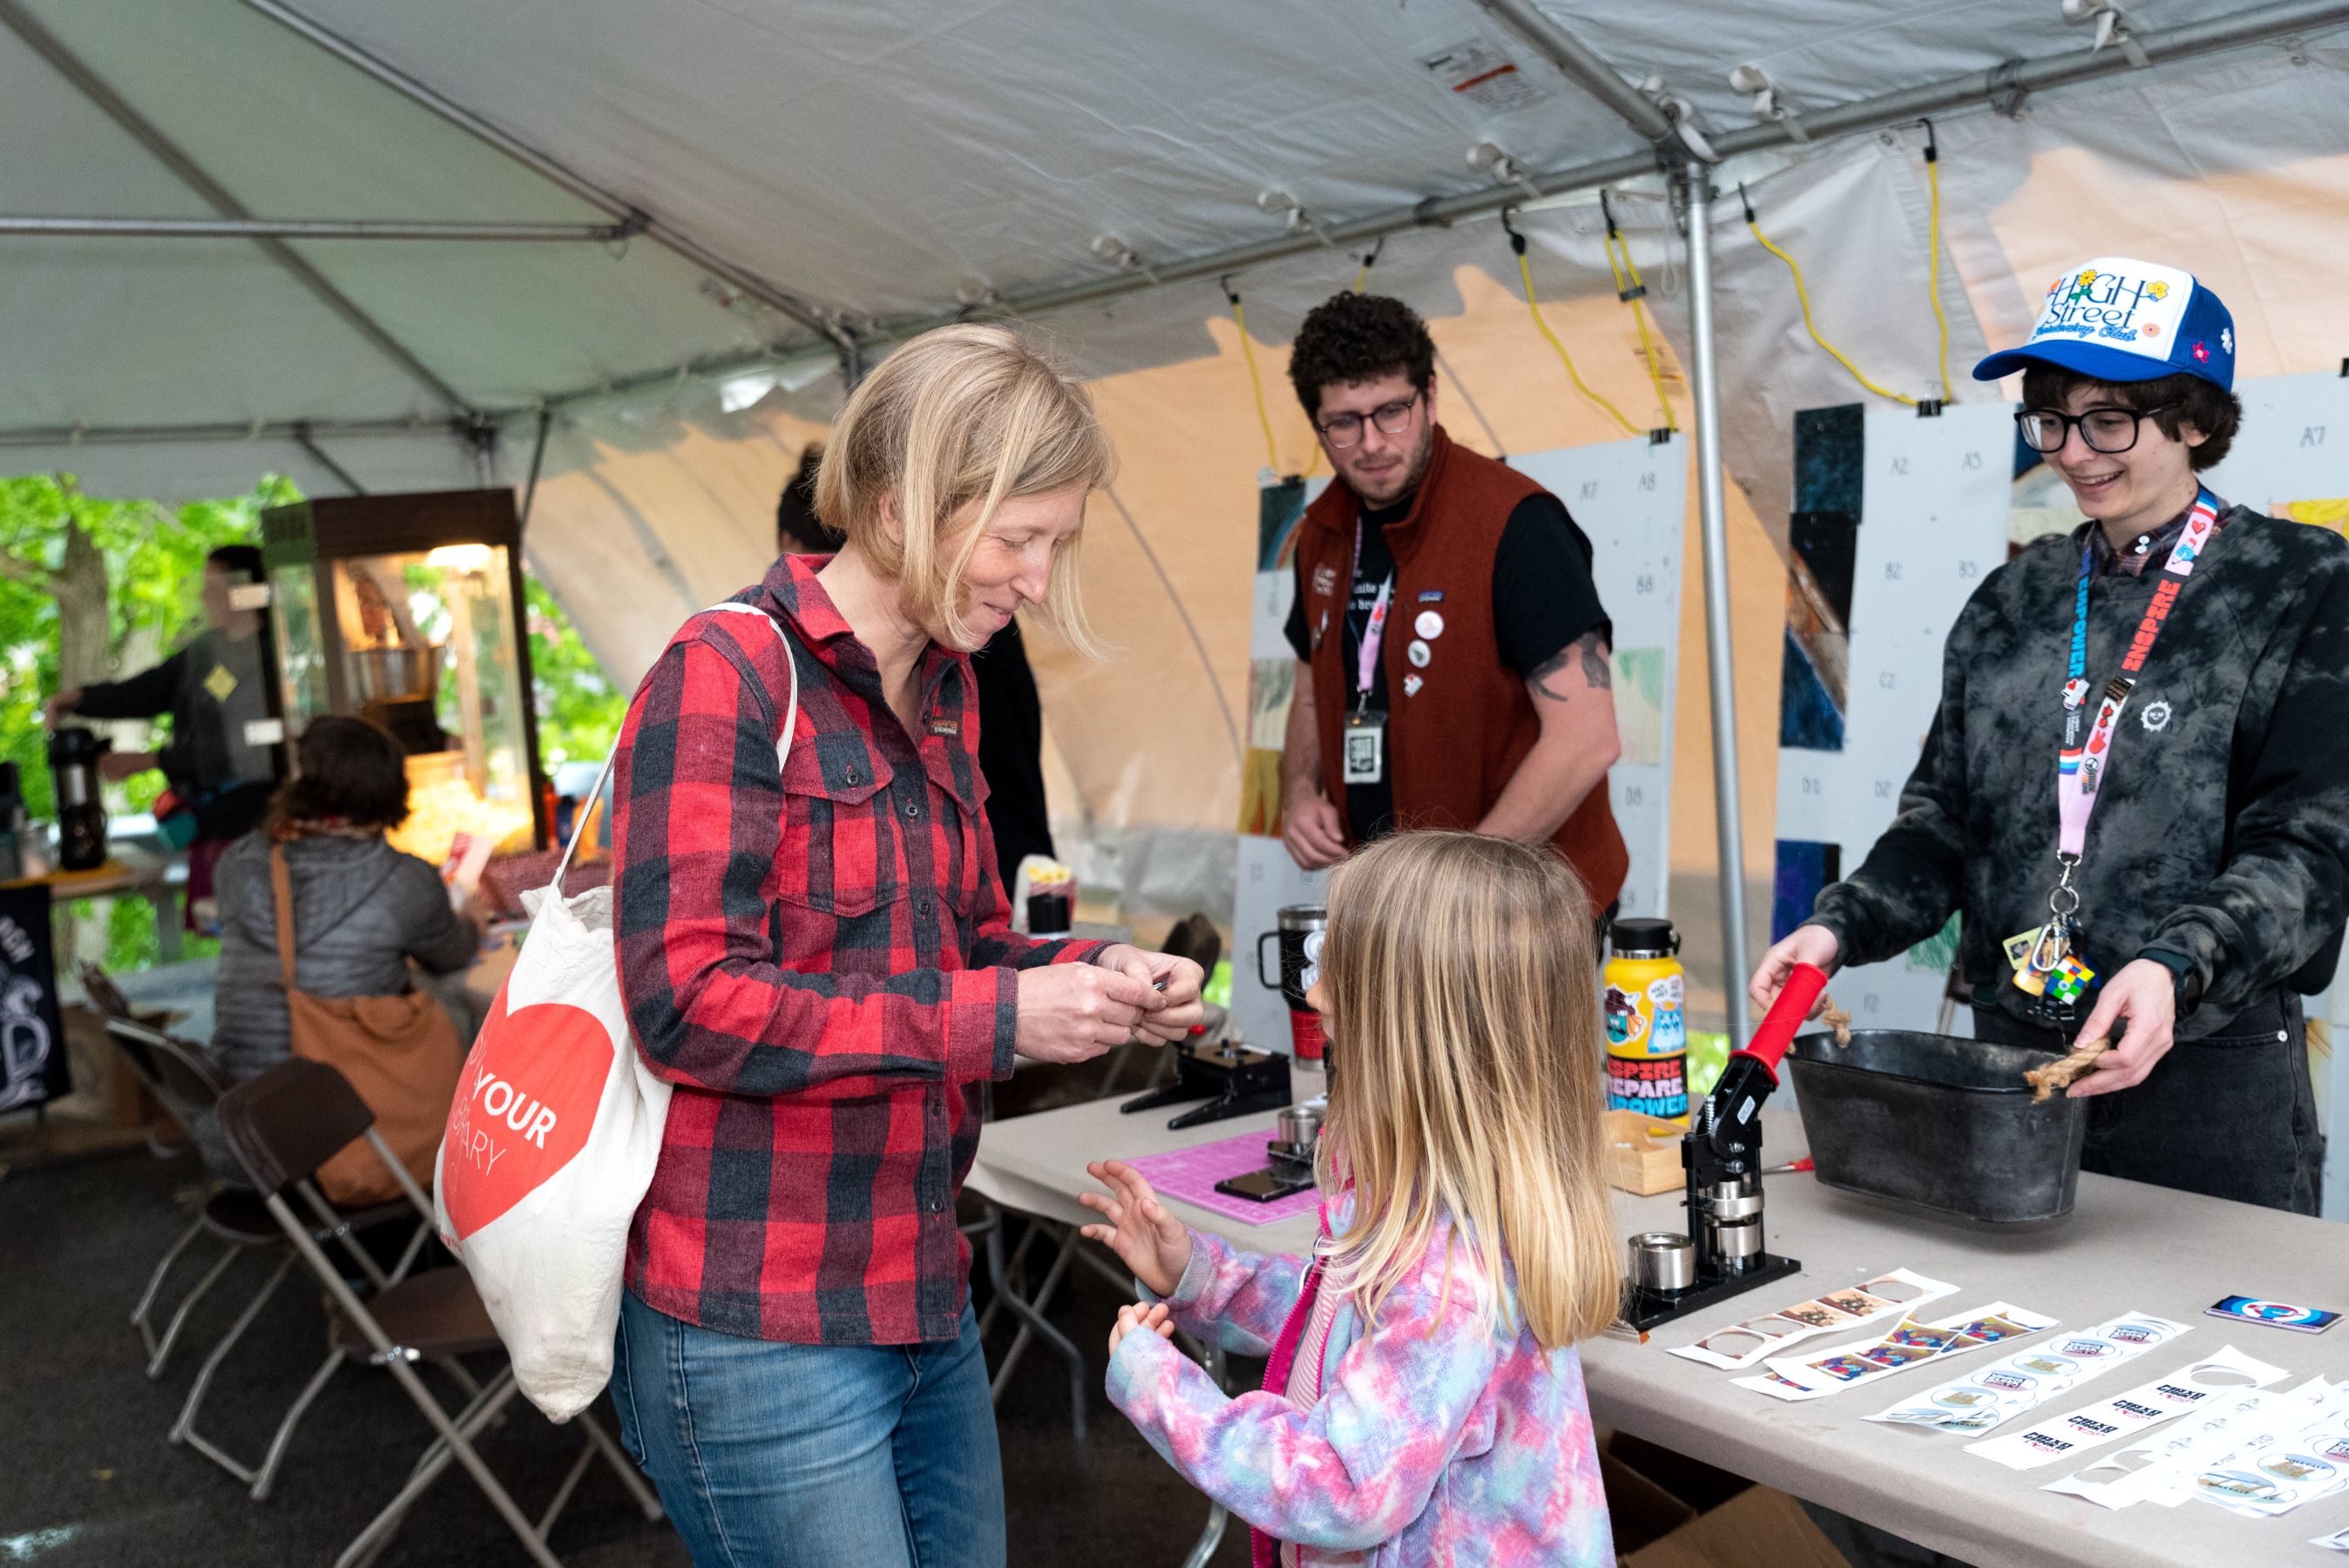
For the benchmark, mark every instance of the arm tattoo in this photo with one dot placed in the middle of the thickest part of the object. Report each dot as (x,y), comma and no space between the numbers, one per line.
(1595,670)
(1595,673)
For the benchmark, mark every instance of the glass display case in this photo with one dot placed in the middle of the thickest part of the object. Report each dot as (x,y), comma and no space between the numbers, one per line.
(407,610)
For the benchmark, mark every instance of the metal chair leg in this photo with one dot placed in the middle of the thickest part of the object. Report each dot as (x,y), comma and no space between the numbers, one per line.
(1049,1334)
(455,1444)
(1052,1277)
(622,1466)
(284,1436)
(187,1304)
(155,1353)
(183,1431)
(1019,1256)
(1212,1535)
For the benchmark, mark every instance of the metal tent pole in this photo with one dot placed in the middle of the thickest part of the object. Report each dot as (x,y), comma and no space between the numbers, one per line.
(307,229)
(561,174)
(196,178)
(1694,186)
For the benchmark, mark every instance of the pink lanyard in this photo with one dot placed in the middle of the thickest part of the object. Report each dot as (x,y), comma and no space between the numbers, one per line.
(2083,768)
(1374,632)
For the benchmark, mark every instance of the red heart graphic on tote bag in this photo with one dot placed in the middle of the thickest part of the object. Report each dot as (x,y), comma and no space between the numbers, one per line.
(524,1105)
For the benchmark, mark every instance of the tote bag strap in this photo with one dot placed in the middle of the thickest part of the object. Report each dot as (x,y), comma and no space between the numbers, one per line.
(782,749)
(281,888)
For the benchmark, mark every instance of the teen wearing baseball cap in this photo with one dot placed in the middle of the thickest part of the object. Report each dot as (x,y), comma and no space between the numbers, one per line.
(2136,789)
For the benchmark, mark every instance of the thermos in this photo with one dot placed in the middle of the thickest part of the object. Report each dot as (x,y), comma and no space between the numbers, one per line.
(1300,929)
(1647,1032)
(73,752)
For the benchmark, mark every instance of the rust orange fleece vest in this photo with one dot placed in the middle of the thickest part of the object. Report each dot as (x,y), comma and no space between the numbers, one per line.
(1454,743)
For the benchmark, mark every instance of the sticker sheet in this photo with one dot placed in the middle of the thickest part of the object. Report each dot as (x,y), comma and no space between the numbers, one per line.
(2300,1464)
(2125,1415)
(1741,1345)
(2163,1468)
(2029,1378)
(1907,1344)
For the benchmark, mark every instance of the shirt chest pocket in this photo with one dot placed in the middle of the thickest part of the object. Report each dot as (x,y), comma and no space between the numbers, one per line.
(840,852)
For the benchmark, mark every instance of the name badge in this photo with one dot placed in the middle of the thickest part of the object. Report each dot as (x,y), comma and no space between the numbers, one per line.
(1365,743)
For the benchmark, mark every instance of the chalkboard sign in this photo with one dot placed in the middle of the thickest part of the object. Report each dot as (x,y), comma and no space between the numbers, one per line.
(33,1067)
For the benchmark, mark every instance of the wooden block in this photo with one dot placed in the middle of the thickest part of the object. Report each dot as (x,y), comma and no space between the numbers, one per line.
(1643,1152)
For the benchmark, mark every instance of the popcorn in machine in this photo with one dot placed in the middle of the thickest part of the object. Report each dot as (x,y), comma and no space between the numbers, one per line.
(409,611)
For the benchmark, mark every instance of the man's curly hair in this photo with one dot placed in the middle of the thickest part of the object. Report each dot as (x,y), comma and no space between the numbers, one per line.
(1351,338)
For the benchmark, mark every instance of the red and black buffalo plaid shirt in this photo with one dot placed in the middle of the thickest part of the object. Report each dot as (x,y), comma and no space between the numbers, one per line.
(822,965)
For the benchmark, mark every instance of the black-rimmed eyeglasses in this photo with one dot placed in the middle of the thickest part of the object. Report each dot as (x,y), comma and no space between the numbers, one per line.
(2106,431)
(1346,430)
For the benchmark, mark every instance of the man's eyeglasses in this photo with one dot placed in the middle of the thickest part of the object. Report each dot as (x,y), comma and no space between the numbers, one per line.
(2106,431)
(1346,430)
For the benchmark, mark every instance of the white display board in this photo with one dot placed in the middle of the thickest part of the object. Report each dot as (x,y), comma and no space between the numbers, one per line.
(1631,499)
(1933,497)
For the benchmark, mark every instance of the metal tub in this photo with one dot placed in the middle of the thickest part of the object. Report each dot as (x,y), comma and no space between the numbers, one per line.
(1939,1123)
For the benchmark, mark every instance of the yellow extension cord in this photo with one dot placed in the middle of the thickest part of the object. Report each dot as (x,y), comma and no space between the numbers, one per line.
(1532,303)
(1255,382)
(1933,279)
(1631,296)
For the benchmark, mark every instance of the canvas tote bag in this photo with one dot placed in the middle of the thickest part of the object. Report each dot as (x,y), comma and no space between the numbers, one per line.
(554,1135)
(401,1053)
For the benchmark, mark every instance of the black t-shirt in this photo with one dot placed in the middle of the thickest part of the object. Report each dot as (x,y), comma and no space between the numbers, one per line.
(1543,599)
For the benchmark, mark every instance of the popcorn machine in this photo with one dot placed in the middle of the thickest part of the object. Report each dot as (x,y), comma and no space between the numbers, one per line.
(409,611)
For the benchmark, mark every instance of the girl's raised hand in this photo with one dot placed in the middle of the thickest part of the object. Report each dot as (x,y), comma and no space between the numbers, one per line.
(1148,1239)
(1153,1319)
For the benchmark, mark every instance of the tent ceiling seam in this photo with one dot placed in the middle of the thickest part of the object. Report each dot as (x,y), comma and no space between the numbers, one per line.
(92,86)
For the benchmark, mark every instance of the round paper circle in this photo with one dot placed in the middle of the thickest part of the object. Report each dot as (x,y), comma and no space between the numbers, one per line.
(1429,625)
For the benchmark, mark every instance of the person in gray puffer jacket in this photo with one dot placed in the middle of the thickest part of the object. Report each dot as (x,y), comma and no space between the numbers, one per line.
(362,910)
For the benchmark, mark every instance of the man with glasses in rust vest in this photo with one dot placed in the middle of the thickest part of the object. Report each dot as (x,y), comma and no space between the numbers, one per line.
(1452,652)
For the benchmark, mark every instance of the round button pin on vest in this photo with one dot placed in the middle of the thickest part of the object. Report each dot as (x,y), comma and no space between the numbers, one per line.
(1429,625)
(1419,652)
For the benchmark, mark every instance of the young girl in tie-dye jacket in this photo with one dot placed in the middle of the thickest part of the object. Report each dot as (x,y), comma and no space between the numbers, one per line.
(1424,1404)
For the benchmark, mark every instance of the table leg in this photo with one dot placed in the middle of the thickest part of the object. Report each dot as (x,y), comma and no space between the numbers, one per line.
(1035,1320)
(167,925)
(1211,1535)
(1042,1298)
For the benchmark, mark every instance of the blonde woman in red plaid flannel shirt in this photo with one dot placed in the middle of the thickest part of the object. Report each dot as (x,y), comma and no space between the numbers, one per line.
(821,962)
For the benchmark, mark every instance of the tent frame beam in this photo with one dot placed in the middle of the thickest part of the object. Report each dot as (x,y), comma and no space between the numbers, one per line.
(550,169)
(306,228)
(1582,66)
(101,94)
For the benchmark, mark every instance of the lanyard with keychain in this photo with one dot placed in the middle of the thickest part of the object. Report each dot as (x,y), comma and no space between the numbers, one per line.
(2046,965)
(1366,729)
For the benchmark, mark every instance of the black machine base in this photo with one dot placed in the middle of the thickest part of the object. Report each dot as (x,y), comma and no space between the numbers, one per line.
(1233,1080)
(1645,1309)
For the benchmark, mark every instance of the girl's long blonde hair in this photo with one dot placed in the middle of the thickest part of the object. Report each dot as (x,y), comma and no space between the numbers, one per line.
(960,419)
(1460,974)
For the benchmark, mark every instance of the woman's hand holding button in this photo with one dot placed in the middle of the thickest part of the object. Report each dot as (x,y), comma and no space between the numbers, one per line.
(1074,1012)
(1173,985)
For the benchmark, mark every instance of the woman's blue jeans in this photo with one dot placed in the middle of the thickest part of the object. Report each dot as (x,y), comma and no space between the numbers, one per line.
(773,1456)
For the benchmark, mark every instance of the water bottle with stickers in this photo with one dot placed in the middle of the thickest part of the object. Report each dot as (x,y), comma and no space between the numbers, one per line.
(1647,1030)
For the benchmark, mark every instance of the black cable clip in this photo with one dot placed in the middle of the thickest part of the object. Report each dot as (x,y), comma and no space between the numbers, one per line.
(1930,408)
(1745,201)
(1508,222)
(1231,294)
(1932,146)
(1634,290)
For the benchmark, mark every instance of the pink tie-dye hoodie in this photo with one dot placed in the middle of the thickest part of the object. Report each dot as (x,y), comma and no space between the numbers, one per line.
(1436,1440)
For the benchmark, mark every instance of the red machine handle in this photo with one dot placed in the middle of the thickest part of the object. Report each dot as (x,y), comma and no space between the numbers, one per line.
(1787,1014)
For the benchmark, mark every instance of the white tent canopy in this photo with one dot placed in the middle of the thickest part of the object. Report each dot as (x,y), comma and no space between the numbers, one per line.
(798,177)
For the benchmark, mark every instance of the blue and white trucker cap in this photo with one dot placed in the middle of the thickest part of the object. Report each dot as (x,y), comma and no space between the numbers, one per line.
(2117,320)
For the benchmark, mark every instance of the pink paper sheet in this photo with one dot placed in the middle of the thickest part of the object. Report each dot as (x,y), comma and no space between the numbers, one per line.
(1191,1174)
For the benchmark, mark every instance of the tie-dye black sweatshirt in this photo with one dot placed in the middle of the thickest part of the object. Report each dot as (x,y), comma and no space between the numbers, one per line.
(2221,830)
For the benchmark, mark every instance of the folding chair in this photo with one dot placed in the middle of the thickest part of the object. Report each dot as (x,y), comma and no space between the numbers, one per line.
(283,1126)
(184,1081)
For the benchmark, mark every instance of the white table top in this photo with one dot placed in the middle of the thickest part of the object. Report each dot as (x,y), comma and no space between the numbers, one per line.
(2125,1248)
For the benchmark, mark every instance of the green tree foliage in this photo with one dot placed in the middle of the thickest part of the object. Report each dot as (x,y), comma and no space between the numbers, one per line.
(579,711)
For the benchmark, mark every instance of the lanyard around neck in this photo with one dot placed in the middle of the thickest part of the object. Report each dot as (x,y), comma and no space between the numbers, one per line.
(2083,767)
(1374,632)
